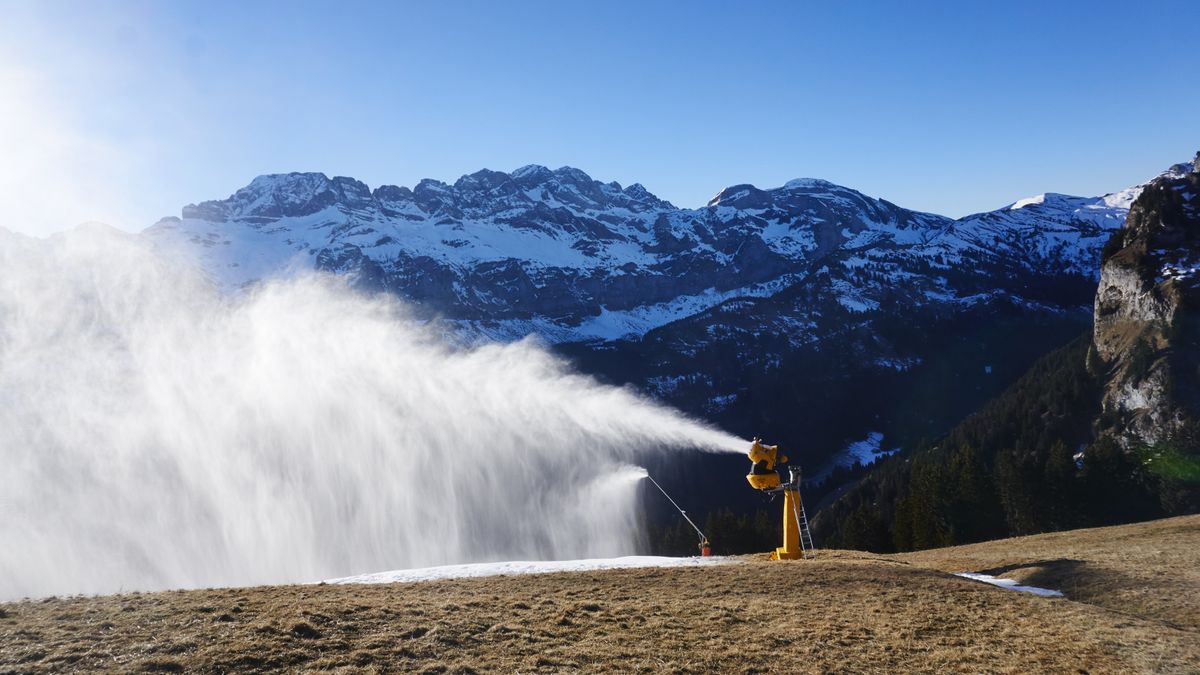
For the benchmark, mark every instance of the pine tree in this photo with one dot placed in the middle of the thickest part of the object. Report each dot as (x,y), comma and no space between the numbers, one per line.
(864,530)
(1116,490)
(1059,484)
(1017,485)
(974,509)
(902,526)
(929,526)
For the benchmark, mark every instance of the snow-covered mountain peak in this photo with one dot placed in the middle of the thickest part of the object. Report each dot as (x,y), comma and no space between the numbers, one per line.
(286,181)
(1182,169)
(743,194)
(1049,198)
(536,174)
(570,173)
(738,196)
(1123,199)
(1028,201)
(808,183)
(534,171)
(431,184)
(273,196)
(484,179)
(636,191)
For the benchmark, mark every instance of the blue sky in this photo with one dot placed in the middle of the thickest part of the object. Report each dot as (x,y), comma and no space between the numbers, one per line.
(124,111)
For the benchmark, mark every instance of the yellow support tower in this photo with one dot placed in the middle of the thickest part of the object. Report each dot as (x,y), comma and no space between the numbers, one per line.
(797,540)
(793,547)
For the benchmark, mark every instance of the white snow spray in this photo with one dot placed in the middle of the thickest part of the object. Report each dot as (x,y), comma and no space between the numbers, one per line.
(156,433)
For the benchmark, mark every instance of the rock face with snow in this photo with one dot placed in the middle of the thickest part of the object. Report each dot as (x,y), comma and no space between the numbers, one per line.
(809,295)
(1147,330)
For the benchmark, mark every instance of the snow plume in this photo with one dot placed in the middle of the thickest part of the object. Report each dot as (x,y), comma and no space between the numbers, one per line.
(157,434)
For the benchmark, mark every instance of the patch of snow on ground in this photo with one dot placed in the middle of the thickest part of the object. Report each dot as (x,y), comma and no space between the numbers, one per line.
(850,298)
(898,364)
(611,325)
(526,567)
(863,452)
(1180,270)
(1010,584)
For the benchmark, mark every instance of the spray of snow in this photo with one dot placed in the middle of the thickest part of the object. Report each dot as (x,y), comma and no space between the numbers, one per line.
(156,433)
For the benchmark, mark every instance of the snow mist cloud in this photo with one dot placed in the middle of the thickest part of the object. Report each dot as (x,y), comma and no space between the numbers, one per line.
(157,434)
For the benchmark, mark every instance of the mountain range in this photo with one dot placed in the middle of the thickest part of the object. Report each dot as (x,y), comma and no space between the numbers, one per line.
(809,313)
(571,259)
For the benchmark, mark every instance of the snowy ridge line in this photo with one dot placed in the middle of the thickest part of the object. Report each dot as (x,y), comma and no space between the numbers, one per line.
(520,567)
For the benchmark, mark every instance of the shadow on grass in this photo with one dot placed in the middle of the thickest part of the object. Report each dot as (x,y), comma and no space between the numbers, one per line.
(1086,582)
(1078,580)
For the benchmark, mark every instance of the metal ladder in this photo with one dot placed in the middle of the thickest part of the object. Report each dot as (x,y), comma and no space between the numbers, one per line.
(807,550)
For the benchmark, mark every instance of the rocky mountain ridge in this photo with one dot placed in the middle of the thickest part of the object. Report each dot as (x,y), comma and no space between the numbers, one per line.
(570,258)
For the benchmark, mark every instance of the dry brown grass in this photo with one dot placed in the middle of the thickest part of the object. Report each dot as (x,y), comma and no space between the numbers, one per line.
(1150,570)
(845,612)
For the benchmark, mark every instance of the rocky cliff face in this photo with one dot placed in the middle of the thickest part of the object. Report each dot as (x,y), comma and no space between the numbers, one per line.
(1146,336)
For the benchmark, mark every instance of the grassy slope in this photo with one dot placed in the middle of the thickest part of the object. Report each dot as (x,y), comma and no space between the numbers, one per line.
(1149,570)
(1134,593)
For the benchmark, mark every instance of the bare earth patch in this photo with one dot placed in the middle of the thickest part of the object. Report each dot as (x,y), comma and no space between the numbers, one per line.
(1131,607)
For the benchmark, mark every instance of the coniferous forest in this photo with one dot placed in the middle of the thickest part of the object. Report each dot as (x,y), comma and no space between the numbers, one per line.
(1027,462)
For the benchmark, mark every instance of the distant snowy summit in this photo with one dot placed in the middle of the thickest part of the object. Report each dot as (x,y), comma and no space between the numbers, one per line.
(559,254)
(1122,199)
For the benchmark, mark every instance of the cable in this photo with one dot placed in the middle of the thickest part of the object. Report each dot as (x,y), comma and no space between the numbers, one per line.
(681,511)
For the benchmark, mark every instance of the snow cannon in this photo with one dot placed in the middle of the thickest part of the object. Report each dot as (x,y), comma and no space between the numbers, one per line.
(763,458)
(764,476)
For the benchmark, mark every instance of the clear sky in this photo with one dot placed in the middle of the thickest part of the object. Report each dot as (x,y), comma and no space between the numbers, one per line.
(124,111)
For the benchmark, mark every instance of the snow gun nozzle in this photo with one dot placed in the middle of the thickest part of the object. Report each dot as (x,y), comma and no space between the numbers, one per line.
(764,460)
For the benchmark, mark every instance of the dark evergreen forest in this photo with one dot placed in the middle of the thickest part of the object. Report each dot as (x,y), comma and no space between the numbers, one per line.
(1027,462)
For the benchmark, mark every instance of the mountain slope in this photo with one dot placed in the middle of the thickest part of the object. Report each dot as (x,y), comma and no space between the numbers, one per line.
(1102,431)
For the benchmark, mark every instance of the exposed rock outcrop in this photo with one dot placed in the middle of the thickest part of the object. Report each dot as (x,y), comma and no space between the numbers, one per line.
(1147,326)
